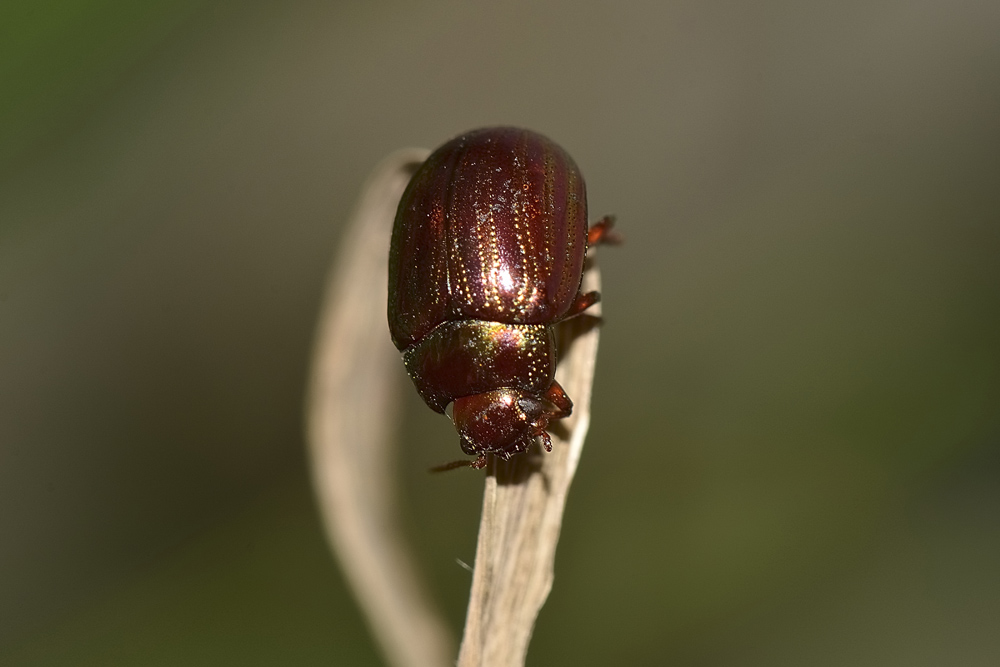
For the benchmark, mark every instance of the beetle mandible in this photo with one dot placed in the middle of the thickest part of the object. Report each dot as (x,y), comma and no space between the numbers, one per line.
(487,255)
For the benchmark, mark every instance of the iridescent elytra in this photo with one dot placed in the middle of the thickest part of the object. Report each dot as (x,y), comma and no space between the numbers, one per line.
(486,257)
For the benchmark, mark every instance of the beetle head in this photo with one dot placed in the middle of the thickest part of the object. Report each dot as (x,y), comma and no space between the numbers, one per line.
(502,421)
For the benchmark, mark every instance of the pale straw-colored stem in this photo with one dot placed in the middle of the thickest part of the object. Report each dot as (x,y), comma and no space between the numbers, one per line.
(523,507)
(351,414)
(351,417)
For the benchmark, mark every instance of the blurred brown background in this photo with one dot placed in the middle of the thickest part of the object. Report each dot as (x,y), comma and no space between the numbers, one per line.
(795,450)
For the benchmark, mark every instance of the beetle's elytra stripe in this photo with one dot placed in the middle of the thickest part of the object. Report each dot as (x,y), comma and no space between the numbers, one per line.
(550,218)
(491,228)
(568,288)
(526,228)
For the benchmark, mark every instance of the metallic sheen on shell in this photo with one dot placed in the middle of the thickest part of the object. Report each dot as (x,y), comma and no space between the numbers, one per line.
(486,256)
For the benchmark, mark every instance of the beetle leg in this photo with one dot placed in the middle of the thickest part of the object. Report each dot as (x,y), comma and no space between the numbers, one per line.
(582,303)
(601,232)
(556,395)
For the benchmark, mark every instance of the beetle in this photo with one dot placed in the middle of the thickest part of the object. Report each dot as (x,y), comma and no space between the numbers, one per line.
(487,255)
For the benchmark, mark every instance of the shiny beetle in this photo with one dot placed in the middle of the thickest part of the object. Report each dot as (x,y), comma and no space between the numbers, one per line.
(487,255)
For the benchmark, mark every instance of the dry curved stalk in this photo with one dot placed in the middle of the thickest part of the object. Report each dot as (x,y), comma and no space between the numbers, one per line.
(350,411)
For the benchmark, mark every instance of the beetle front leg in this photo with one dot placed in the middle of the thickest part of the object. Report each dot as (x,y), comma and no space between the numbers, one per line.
(561,406)
(556,395)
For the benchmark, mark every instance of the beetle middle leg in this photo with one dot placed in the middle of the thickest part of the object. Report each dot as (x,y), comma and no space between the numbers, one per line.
(602,232)
(582,303)
(599,232)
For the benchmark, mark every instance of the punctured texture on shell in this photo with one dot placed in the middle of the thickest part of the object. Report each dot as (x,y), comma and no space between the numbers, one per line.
(492,227)
(471,357)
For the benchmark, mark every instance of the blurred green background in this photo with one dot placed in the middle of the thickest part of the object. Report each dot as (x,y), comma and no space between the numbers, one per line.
(795,449)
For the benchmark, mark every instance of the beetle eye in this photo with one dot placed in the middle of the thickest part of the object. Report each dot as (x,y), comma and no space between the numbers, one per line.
(531,407)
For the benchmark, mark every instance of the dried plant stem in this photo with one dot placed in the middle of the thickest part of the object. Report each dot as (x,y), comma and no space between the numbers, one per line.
(350,418)
(523,507)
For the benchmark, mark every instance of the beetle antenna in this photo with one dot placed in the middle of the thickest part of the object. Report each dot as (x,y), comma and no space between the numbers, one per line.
(462,463)
(453,465)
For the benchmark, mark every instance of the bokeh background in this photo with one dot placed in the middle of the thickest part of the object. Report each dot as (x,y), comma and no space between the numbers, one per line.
(795,449)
